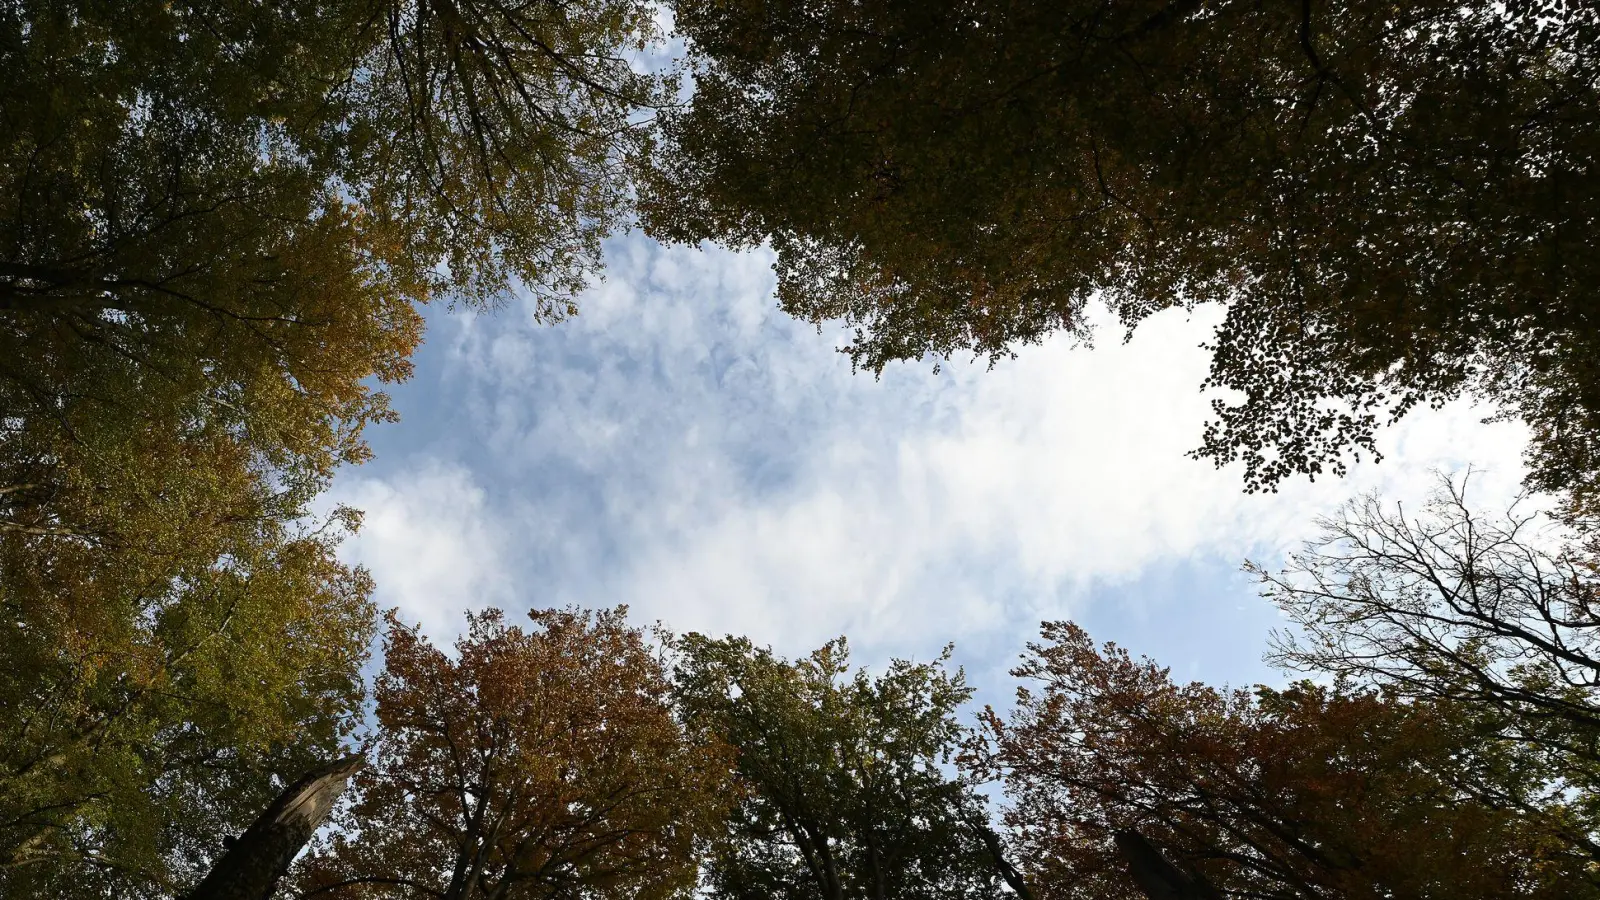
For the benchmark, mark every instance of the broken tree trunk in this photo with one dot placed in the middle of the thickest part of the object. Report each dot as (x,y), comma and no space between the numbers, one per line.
(251,867)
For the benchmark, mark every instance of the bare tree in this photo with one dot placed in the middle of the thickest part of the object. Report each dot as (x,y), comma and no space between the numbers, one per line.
(1491,613)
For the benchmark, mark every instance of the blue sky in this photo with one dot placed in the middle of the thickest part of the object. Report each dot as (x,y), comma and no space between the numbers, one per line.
(685,448)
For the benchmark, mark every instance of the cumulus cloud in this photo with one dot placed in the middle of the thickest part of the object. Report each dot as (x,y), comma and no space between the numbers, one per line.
(684,447)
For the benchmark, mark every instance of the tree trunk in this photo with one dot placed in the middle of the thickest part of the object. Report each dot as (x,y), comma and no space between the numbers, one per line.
(997,854)
(253,864)
(1156,876)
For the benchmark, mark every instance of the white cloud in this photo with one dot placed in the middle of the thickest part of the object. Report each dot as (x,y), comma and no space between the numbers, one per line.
(684,447)
(1024,488)
(431,542)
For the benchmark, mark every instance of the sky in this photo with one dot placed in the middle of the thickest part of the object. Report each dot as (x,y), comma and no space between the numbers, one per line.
(684,447)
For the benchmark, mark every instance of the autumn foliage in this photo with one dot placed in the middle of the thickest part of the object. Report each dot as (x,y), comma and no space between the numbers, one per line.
(537,762)
(1309,792)
(220,222)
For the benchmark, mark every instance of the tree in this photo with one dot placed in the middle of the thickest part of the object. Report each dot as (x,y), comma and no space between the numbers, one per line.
(221,219)
(148,711)
(844,791)
(218,221)
(253,864)
(537,763)
(1310,792)
(1395,203)
(1495,613)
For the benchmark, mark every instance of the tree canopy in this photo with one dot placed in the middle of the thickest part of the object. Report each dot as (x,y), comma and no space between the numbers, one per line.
(145,712)
(1310,792)
(846,793)
(541,762)
(1493,612)
(218,223)
(1395,203)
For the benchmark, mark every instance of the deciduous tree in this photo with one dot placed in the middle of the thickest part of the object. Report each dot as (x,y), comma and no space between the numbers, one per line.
(846,789)
(219,218)
(537,763)
(1395,203)
(218,221)
(1310,792)
(1494,612)
(147,711)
